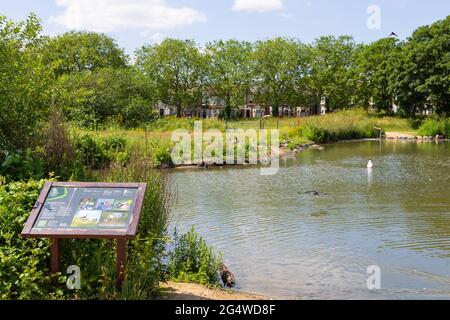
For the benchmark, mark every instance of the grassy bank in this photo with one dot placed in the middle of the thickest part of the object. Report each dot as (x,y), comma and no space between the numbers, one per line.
(153,143)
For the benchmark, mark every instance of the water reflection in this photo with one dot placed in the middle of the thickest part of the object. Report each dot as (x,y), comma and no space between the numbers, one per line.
(282,243)
(369,178)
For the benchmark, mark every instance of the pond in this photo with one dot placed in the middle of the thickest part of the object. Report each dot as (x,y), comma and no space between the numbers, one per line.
(285,244)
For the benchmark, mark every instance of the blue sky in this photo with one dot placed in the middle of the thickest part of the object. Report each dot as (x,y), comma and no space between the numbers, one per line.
(136,22)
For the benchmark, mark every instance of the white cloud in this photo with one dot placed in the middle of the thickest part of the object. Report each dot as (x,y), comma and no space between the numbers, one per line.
(257,5)
(114,15)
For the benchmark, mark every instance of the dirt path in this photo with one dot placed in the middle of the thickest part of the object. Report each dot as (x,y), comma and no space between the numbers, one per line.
(400,135)
(189,291)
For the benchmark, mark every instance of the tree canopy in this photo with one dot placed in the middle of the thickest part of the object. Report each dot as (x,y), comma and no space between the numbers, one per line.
(81,51)
(93,81)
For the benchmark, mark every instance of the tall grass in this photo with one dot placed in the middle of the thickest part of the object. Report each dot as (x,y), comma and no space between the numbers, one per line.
(344,125)
(167,124)
(147,251)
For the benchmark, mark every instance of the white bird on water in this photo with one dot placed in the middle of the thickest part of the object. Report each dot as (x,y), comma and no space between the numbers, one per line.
(370,164)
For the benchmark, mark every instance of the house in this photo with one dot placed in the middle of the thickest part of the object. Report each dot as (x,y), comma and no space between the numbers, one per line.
(213,107)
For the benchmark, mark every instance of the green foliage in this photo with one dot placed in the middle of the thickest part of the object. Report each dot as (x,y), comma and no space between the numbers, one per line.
(25,81)
(24,263)
(21,165)
(279,69)
(374,67)
(422,66)
(177,69)
(332,72)
(99,152)
(92,98)
(83,51)
(343,125)
(192,260)
(433,127)
(167,124)
(229,71)
(91,153)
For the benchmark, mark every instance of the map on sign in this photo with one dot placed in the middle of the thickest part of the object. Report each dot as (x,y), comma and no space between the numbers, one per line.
(87,208)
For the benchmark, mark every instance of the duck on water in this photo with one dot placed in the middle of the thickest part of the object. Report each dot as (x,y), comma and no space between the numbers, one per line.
(314,193)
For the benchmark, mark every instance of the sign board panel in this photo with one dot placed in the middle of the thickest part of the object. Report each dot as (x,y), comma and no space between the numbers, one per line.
(86,210)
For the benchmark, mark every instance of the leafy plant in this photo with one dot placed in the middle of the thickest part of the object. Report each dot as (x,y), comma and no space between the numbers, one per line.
(21,166)
(433,127)
(24,263)
(160,152)
(90,152)
(192,260)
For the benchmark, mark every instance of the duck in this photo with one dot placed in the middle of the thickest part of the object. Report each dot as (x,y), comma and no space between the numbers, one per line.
(370,164)
(314,193)
(227,276)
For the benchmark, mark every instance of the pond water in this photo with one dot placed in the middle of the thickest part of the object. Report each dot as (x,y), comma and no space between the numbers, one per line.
(285,244)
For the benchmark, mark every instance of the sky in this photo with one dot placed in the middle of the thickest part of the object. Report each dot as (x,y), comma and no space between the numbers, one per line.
(134,23)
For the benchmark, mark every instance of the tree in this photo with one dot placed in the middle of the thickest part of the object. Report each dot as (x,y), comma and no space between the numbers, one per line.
(374,67)
(229,71)
(421,77)
(177,69)
(332,71)
(25,82)
(82,51)
(277,71)
(91,98)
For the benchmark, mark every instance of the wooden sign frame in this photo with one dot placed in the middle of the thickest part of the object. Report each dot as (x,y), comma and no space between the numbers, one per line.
(56,234)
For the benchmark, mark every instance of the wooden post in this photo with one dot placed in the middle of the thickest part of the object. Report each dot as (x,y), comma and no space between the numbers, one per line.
(54,255)
(121,260)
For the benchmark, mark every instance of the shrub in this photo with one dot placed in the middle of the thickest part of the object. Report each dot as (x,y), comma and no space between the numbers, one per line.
(90,152)
(434,127)
(21,166)
(24,263)
(100,152)
(160,152)
(192,260)
(116,150)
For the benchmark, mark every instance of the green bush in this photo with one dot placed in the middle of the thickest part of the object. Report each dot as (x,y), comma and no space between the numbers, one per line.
(160,152)
(21,166)
(116,150)
(91,153)
(192,260)
(24,263)
(433,127)
(100,152)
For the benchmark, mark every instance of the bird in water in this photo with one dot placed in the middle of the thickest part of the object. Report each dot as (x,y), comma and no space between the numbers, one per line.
(370,164)
(315,193)
(227,276)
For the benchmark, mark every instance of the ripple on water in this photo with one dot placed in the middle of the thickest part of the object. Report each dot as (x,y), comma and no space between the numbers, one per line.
(285,244)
